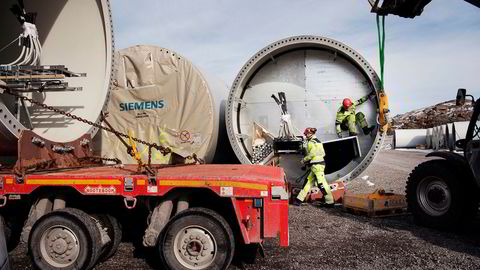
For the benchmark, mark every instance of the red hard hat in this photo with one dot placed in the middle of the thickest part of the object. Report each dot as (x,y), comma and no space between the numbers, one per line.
(309,131)
(347,103)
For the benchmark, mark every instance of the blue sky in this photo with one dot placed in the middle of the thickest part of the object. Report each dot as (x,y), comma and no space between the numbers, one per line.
(427,58)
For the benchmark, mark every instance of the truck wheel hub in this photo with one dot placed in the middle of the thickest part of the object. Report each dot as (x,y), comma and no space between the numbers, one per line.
(434,196)
(195,247)
(59,246)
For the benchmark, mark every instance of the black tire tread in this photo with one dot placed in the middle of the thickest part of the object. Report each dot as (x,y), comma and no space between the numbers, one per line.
(205,212)
(115,234)
(464,203)
(92,230)
(12,233)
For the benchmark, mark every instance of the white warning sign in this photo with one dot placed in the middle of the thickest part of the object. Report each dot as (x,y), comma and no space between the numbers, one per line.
(226,191)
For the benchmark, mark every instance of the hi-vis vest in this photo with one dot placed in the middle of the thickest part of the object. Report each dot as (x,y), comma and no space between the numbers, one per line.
(315,151)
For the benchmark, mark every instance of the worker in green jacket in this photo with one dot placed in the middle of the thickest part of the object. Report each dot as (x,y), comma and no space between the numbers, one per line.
(347,119)
(314,160)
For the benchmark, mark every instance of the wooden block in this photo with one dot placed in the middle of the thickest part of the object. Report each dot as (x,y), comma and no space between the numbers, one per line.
(375,204)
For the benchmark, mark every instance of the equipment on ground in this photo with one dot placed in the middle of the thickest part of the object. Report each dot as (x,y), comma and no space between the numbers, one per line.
(338,189)
(409,138)
(377,204)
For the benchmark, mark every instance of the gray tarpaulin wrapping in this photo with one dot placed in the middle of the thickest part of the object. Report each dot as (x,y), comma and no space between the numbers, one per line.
(160,97)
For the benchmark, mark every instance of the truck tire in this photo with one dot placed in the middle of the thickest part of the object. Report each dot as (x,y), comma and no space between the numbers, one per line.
(114,230)
(4,260)
(64,239)
(12,230)
(197,238)
(438,195)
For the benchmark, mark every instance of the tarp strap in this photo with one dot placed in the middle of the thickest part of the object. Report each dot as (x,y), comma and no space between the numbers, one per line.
(381,47)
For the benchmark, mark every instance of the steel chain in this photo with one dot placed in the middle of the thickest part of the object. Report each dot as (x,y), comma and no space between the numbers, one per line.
(96,158)
(49,163)
(22,170)
(149,155)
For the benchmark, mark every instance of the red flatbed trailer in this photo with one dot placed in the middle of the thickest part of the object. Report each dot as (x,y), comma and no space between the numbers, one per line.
(195,215)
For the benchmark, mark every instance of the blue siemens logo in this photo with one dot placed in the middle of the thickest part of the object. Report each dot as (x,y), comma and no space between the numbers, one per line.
(144,105)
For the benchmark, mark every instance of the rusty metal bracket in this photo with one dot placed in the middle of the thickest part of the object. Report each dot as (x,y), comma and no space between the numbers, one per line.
(35,152)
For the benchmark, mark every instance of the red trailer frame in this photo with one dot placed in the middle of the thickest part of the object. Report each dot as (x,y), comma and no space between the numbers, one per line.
(257,195)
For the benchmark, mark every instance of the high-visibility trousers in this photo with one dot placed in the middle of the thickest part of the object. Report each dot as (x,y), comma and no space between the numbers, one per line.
(350,121)
(317,172)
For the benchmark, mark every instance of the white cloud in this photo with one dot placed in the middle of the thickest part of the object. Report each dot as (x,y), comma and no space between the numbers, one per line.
(427,58)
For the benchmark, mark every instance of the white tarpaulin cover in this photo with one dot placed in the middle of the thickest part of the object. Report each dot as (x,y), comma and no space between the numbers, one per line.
(160,97)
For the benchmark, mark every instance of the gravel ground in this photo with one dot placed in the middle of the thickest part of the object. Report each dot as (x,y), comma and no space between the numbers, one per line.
(327,238)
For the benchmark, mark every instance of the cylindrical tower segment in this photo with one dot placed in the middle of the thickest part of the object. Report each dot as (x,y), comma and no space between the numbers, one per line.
(76,41)
(316,74)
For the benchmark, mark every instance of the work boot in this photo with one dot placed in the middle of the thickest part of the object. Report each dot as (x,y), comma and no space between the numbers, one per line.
(297,202)
(352,133)
(327,205)
(368,130)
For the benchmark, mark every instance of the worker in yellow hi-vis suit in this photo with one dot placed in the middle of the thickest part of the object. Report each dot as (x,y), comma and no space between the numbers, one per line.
(347,119)
(314,159)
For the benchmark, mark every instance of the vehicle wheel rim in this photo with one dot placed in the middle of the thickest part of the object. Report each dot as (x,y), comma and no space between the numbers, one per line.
(434,196)
(195,247)
(59,246)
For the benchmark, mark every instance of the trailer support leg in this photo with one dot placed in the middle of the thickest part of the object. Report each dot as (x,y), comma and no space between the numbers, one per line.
(59,203)
(182,204)
(160,216)
(43,206)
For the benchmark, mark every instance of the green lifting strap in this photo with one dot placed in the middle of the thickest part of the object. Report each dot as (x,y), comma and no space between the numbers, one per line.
(381,47)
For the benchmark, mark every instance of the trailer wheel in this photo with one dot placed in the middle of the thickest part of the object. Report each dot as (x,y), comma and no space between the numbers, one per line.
(114,230)
(435,195)
(64,239)
(4,260)
(12,233)
(195,239)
